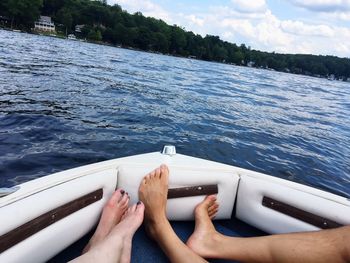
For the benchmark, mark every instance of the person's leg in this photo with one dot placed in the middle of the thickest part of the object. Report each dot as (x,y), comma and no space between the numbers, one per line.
(116,246)
(111,215)
(153,193)
(321,246)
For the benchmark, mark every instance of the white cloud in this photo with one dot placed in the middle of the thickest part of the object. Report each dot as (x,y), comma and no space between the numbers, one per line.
(323,5)
(249,6)
(196,20)
(148,8)
(258,28)
(265,31)
(300,28)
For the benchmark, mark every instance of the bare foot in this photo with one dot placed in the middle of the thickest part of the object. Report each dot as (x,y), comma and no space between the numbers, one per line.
(111,215)
(204,236)
(131,221)
(116,246)
(153,192)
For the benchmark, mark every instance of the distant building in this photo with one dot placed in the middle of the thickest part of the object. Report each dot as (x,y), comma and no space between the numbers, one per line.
(331,77)
(251,64)
(45,24)
(79,28)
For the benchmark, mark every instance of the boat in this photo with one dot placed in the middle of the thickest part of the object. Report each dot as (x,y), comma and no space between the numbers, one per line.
(71,37)
(51,218)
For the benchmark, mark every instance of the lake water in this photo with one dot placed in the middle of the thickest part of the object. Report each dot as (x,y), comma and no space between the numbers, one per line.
(64,104)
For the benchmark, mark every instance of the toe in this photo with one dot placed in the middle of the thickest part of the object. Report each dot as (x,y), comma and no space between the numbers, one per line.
(213,213)
(163,170)
(210,200)
(140,208)
(164,173)
(117,195)
(157,173)
(133,208)
(213,208)
(124,200)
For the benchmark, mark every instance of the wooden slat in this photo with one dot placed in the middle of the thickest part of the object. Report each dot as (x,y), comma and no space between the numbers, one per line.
(32,227)
(193,191)
(315,220)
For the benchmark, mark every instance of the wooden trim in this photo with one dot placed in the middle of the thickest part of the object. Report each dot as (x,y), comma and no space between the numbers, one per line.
(307,217)
(193,191)
(32,227)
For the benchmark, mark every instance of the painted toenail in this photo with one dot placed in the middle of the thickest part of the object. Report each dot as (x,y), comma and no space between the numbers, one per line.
(122,192)
(139,202)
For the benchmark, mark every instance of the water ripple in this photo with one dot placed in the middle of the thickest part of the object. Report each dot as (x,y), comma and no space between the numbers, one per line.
(65,103)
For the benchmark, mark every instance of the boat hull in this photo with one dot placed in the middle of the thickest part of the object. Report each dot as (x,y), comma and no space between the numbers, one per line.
(244,194)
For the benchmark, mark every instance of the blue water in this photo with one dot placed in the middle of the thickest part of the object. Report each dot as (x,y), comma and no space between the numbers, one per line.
(64,104)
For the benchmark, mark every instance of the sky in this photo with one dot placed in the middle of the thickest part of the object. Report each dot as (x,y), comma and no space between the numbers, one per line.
(320,27)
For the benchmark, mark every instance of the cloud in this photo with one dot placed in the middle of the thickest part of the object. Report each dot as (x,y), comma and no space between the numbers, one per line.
(148,8)
(249,6)
(327,6)
(300,28)
(258,28)
(267,32)
(195,20)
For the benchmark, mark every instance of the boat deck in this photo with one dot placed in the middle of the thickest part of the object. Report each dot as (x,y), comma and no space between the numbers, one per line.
(146,250)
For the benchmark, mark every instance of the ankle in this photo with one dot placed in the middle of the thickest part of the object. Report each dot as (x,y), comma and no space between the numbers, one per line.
(155,220)
(158,226)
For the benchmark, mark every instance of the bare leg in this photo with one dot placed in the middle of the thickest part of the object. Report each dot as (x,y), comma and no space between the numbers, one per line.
(111,215)
(321,246)
(133,219)
(116,247)
(153,193)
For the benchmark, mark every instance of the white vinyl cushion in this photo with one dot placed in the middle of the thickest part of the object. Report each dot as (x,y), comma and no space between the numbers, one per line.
(130,176)
(43,245)
(250,209)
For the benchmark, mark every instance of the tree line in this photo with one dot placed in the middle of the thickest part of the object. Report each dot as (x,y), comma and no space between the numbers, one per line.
(113,25)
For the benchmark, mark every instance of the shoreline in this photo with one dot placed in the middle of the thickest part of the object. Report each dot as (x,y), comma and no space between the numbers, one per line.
(172,55)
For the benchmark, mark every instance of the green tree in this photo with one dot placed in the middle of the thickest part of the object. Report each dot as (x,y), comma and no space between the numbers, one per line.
(95,35)
(24,12)
(178,40)
(162,43)
(113,25)
(66,18)
(219,53)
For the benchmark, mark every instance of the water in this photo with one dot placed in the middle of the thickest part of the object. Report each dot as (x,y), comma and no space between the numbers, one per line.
(64,104)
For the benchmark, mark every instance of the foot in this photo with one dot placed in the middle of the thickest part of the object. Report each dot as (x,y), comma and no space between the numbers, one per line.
(116,246)
(130,222)
(111,215)
(204,236)
(153,192)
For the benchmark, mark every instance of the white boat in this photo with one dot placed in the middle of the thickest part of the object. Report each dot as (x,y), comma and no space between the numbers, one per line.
(72,37)
(43,217)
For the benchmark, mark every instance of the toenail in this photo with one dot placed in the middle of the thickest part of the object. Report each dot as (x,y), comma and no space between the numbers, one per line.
(139,202)
(122,192)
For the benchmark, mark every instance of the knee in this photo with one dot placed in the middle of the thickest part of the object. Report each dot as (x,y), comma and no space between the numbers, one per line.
(346,242)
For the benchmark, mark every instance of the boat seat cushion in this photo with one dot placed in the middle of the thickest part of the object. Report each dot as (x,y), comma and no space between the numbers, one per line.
(130,176)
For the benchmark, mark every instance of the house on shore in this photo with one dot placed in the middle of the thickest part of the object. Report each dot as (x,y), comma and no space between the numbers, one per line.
(44,24)
(79,28)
